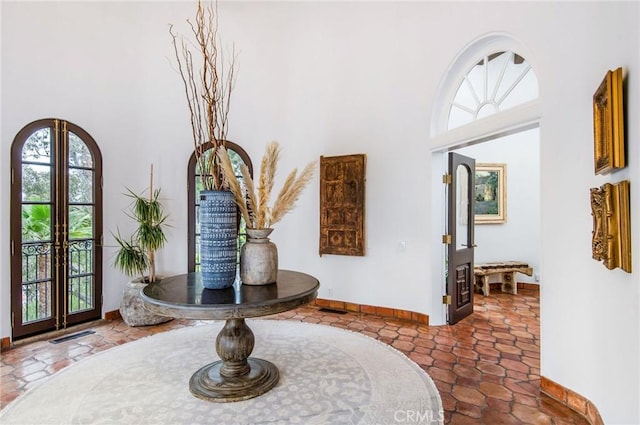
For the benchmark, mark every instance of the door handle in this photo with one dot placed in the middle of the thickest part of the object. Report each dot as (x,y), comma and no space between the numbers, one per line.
(472,245)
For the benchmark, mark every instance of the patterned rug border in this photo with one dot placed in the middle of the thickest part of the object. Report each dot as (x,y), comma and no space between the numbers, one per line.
(216,325)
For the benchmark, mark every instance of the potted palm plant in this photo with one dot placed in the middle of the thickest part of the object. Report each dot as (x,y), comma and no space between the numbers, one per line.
(136,256)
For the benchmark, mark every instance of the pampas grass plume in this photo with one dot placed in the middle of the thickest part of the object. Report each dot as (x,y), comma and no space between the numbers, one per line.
(254,206)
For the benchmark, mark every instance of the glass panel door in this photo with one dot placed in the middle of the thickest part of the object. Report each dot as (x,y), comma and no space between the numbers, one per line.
(463,201)
(460,222)
(56,227)
(80,237)
(37,169)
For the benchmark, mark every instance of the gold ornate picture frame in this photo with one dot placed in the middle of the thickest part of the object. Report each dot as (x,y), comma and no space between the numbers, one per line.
(490,194)
(611,235)
(608,124)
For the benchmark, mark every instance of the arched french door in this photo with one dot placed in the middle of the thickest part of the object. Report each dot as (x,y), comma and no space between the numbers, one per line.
(56,228)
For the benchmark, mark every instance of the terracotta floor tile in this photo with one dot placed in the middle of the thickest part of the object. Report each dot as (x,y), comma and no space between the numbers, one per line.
(467,372)
(442,364)
(438,354)
(494,417)
(528,387)
(448,402)
(495,391)
(443,387)
(487,353)
(508,348)
(443,375)
(465,353)
(514,365)
(517,376)
(531,360)
(424,343)
(461,419)
(486,367)
(505,336)
(529,400)
(481,336)
(470,410)
(468,382)
(497,407)
(510,356)
(408,332)
(403,346)
(530,415)
(444,340)
(468,395)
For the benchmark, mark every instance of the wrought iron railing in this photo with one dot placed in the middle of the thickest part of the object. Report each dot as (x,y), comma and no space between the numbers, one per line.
(38,281)
(80,291)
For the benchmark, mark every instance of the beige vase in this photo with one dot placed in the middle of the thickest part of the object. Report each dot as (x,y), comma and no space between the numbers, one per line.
(258,258)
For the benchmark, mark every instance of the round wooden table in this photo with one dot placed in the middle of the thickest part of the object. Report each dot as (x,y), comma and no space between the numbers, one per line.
(236,376)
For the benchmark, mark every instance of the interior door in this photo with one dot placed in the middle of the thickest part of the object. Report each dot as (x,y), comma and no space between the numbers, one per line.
(460,222)
(56,228)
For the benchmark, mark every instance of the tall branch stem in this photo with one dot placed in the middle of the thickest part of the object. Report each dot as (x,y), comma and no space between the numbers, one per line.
(207,88)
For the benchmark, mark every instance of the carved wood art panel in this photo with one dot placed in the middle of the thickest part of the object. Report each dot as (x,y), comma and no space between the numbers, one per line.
(342,188)
(611,235)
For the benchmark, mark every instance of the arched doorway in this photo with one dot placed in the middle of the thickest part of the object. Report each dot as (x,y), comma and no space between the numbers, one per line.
(489,91)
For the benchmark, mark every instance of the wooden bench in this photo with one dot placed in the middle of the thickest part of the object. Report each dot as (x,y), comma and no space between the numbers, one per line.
(506,269)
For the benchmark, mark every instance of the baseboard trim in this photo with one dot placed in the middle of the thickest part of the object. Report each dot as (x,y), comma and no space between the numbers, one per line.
(394,313)
(527,285)
(112,315)
(497,286)
(572,400)
(5,343)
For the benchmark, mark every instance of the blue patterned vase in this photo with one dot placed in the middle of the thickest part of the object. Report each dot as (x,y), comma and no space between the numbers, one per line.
(218,238)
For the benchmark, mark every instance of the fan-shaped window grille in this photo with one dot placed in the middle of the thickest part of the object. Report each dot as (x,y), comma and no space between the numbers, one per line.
(495,83)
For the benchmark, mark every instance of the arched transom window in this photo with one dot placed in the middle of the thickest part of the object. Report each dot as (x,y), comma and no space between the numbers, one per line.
(497,82)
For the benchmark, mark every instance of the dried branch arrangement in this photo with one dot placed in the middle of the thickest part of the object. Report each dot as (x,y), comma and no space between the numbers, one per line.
(254,206)
(207,86)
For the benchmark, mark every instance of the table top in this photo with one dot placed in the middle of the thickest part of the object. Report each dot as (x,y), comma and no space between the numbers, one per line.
(184,296)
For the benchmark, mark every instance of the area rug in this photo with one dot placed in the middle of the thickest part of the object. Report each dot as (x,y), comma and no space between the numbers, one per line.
(327,376)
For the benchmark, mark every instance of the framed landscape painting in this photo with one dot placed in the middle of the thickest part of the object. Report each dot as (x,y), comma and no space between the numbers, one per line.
(491,194)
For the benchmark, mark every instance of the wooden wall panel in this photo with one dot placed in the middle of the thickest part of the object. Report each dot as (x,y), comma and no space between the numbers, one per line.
(342,190)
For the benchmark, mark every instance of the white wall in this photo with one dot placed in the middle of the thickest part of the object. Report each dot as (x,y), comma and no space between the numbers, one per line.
(519,238)
(5,301)
(329,78)
(590,315)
